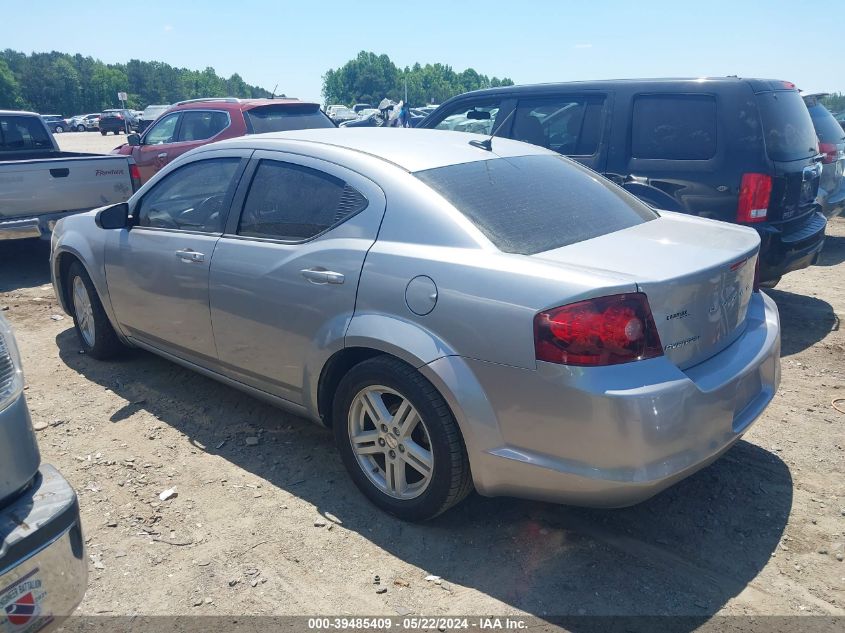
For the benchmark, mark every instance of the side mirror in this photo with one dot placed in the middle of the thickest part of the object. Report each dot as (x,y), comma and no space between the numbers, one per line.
(134,139)
(114,217)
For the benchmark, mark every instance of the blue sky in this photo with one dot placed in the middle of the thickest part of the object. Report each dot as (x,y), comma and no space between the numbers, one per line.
(293,43)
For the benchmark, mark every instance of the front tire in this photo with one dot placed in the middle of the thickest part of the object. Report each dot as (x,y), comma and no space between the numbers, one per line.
(399,441)
(103,132)
(96,334)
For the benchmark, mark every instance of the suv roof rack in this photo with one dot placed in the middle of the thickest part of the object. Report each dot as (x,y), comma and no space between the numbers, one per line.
(212,99)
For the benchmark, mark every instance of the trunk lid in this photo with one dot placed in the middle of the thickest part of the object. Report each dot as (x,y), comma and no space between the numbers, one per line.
(698,276)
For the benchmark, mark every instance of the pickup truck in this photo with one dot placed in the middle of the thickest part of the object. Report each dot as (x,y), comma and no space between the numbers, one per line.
(43,571)
(39,183)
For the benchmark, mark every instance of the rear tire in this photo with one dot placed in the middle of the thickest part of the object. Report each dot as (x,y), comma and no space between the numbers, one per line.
(103,132)
(59,129)
(93,328)
(418,467)
(80,128)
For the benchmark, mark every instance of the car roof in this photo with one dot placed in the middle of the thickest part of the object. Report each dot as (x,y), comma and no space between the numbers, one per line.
(232,103)
(18,112)
(409,148)
(606,84)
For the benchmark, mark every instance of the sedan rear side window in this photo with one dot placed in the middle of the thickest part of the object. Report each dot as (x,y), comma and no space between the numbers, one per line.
(533,204)
(284,117)
(674,127)
(294,203)
(192,198)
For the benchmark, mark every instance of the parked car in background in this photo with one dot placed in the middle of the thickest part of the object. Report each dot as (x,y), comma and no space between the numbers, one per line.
(832,147)
(361,106)
(189,124)
(85,122)
(840,118)
(43,569)
(56,123)
(366,118)
(150,114)
(118,121)
(41,183)
(342,274)
(340,114)
(732,149)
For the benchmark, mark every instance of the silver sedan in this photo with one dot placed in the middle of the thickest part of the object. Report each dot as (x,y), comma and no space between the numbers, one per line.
(462,313)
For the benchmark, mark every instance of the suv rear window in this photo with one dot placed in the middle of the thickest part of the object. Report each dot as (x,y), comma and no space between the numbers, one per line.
(533,204)
(284,117)
(23,133)
(787,126)
(827,128)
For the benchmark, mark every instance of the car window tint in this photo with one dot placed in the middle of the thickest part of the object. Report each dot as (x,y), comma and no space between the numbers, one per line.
(294,203)
(787,125)
(23,133)
(567,124)
(163,131)
(191,198)
(478,117)
(284,117)
(827,128)
(532,204)
(199,126)
(674,127)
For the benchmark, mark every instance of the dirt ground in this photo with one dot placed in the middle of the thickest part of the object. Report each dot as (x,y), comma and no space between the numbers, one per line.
(278,528)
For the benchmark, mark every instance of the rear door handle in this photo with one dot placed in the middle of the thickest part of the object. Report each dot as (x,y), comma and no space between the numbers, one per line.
(163,155)
(321,276)
(188,255)
(61,172)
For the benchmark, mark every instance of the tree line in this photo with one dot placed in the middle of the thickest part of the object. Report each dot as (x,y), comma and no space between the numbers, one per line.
(835,102)
(369,78)
(59,83)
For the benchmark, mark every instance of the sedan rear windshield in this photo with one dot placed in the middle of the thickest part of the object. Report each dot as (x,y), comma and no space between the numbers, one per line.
(533,204)
(787,126)
(827,127)
(281,118)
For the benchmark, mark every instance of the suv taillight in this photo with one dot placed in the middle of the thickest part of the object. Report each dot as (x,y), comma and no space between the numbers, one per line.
(754,194)
(829,153)
(596,332)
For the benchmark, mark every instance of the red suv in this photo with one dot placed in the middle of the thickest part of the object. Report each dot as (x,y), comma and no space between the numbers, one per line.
(189,124)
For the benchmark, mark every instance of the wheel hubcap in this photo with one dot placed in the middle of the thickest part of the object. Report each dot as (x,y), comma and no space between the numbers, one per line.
(83,310)
(391,442)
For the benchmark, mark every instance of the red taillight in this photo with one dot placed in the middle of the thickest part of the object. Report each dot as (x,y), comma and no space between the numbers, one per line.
(135,176)
(754,194)
(829,153)
(603,331)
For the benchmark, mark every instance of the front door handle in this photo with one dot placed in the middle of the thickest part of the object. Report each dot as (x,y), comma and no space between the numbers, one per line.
(163,155)
(188,255)
(322,276)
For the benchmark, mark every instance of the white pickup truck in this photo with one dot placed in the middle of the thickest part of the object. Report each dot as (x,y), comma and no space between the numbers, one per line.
(39,183)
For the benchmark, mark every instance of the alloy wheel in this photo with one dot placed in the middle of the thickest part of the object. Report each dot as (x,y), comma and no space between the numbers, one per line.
(84,311)
(391,442)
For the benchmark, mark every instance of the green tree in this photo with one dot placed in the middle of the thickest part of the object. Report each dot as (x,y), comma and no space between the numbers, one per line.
(10,93)
(370,78)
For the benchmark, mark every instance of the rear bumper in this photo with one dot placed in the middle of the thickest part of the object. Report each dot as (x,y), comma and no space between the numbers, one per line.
(609,436)
(43,573)
(33,227)
(20,229)
(781,252)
